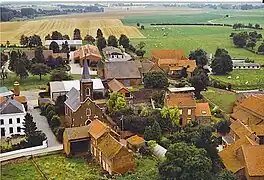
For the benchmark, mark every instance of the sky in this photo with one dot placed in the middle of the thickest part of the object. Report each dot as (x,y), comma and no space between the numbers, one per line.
(98,1)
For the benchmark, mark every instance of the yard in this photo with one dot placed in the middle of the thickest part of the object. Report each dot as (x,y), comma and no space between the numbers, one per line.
(59,167)
(222,98)
(243,79)
(32,82)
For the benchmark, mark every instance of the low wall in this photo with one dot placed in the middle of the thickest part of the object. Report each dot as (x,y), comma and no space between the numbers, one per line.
(44,145)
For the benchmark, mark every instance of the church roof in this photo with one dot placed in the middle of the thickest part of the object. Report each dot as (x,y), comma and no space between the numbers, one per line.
(85,75)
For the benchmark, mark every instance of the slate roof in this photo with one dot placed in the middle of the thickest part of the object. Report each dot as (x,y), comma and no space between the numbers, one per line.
(121,70)
(73,101)
(75,133)
(202,109)
(72,92)
(109,146)
(85,74)
(115,85)
(11,106)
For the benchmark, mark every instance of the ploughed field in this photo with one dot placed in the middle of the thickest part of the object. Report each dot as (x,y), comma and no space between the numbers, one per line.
(12,31)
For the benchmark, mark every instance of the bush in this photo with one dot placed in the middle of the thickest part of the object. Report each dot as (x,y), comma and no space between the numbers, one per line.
(131,48)
(50,115)
(49,108)
(145,151)
(59,133)
(44,94)
(55,122)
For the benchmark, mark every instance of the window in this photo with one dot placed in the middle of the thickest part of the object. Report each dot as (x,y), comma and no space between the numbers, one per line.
(10,130)
(88,91)
(18,120)
(180,111)
(2,122)
(10,121)
(18,129)
(88,112)
(189,111)
(203,112)
(248,66)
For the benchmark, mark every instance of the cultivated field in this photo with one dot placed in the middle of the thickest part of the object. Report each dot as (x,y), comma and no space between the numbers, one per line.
(12,31)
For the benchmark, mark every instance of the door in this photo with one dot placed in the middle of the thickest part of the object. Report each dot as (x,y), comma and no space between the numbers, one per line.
(2,132)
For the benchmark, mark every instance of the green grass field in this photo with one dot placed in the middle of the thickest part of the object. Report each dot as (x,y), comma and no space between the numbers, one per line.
(59,167)
(223,99)
(247,79)
(32,82)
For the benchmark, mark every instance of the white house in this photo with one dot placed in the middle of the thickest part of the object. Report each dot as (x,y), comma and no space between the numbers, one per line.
(12,114)
(71,43)
(58,88)
(242,64)
(113,54)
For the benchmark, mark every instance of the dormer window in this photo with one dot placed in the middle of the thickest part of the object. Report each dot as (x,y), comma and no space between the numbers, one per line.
(203,112)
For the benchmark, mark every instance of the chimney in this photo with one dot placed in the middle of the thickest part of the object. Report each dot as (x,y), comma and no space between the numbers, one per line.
(16,88)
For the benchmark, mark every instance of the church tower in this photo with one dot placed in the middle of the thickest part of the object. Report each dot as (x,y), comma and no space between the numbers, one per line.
(86,89)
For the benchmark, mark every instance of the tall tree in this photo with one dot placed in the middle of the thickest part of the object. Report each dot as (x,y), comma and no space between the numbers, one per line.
(99,33)
(257,26)
(116,102)
(155,80)
(251,44)
(172,113)
(39,69)
(23,40)
(56,35)
(185,162)
(240,39)
(77,34)
(66,37)
(222,62)
(65,47)
(89,38)
(48,37)
(223,126)
(124,41)
(39,56)
(261,48)
(101,43)
(112,41)
(34,40)
(199,81)
(54,47)
(18,64)
(200,56)
(153,132)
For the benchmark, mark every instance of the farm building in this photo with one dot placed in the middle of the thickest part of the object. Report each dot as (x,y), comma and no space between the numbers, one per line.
(90,53)
(113,54)
(159,151)
(71,43)
(145,66)
(124,71)
(103,143)
(243,64)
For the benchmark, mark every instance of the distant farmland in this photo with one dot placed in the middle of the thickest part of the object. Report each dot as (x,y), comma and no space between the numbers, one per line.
(12,31)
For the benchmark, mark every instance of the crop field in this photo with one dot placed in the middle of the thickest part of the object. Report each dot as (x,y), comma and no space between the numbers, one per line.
(243,79)
(189,38)
(12,31)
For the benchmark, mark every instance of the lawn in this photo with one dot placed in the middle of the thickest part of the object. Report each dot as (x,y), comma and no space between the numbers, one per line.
(243,79)
(54,167)
(193,37)
(32,82)
(223,99)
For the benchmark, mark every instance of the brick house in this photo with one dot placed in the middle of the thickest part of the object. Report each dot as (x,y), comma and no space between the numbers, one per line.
(102,143)
(116,86)
(80,109)
(185,103)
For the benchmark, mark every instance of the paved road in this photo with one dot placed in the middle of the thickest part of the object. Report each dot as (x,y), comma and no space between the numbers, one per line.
(31,153)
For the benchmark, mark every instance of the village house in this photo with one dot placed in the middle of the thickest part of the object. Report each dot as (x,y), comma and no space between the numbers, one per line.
(172,61)
(242,152)
(135,142)
(80,109)
(145,66)
(242,64)
(71,43)
(124,71)
(12,115)
(90,53)
(113,54)
(116,86)
(203,113)
(102,143)
(185,103)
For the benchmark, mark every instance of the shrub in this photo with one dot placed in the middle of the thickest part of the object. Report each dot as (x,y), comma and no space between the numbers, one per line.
(55,122)
(49,108)
(50,115)
(59,134)
(145,151)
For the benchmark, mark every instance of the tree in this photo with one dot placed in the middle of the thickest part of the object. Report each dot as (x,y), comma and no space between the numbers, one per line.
(172,113)
(59,75)
(140,52)
(77,34)
(112,41)
(185,162)
(155,80)
(66,37)
(39,56)
(223,126)
(240,39)
(101,43)
(33,136)
(251,44)
(183,72)
(200,56)
(222,62)
(257,26)
(65,47)
(141,45)
(59,105)
(142,27)
(18,64)
(39,69)
(199,81)
(250,25)
(116,102)
(34,40)
(48,37)
(99,33)
(55,122)
(56,35)
(23,40)
(4,59)
(261,48)
(89,38)
(54,47)
(153,132)
(124,41)
(138,24)
(226,175)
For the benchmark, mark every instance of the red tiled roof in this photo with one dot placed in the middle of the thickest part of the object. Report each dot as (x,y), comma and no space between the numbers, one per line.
(181,100)
(115,85)
(135,140)
(255,104)
(168,53)
(202,109)
(88,51)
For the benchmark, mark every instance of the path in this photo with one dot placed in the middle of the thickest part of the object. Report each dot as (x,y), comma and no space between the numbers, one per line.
(36,152)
